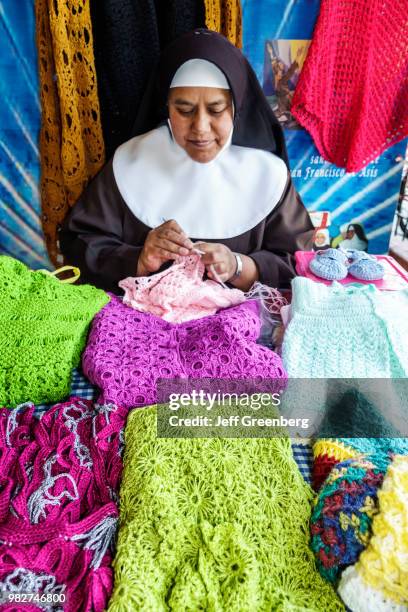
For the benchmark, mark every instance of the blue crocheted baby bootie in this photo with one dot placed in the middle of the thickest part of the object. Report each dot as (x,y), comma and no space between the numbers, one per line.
(364,266)
(330,264)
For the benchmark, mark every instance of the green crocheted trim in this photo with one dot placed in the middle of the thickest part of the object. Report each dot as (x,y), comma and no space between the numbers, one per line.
(43,330)
(213,524)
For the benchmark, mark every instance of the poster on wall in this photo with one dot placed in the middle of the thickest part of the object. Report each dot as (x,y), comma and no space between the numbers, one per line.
(353,209)
(20,226)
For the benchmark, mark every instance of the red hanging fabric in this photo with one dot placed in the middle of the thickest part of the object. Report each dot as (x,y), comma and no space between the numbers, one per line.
(352,95)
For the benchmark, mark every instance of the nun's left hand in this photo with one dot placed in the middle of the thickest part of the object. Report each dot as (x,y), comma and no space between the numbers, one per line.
(218,257)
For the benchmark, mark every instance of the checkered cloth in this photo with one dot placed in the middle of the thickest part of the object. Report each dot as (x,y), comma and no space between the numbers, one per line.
(81,387)
(303,456)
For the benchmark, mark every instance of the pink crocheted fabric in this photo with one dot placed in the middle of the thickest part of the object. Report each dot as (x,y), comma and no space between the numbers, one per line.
(179,293)
(352,95)
(59,478)
(129,351)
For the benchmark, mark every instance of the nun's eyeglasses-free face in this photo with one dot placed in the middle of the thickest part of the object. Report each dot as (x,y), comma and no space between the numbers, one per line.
(201,119)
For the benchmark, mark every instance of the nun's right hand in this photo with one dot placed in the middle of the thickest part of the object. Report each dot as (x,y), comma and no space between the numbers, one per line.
(163,243)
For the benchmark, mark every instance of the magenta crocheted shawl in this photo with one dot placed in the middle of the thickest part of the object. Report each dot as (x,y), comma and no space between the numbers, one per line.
(352,95)
(129,351)
(59,478)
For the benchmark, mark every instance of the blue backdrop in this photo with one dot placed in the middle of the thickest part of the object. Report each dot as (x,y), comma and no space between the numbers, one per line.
(275,31)
(20,227)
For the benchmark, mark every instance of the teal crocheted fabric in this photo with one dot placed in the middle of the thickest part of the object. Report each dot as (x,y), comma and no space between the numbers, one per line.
(378,447)
(213,524)
(43,328)
(346,331)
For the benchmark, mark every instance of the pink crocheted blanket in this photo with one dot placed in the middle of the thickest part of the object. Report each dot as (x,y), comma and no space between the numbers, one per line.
(179,293)
(352,95)
(59,478)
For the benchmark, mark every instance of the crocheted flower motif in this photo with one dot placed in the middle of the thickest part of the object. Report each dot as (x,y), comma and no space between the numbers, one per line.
(194,498)
(129,352)
(204,541)
(342,515)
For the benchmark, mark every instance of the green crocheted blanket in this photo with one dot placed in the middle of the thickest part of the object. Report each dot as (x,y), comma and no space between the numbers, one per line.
(43,329)
(213,524)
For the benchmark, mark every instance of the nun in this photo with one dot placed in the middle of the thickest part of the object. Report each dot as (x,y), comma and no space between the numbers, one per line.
(206,168)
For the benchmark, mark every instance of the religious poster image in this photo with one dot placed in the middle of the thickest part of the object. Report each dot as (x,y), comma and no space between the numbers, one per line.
(282,65)
(352,236)
(349,235)
(321,240)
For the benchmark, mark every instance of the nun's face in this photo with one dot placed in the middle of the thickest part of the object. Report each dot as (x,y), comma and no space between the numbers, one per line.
(201,120)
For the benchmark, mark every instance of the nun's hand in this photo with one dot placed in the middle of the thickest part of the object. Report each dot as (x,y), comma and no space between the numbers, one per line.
(162,244)
(218,257)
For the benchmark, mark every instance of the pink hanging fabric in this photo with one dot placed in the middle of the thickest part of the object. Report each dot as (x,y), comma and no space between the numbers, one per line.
(59,478)
(352,95)
(179,293)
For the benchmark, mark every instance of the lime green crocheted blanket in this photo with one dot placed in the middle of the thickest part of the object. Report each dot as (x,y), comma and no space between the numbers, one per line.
(213,524)
(43,329)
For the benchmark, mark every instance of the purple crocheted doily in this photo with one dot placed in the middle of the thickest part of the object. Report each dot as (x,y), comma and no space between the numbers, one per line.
(129,351)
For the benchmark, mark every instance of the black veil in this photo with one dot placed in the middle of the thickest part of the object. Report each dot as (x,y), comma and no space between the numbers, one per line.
(255,125)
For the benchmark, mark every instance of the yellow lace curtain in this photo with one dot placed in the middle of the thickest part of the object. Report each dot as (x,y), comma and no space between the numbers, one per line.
(225,16)
(71,141)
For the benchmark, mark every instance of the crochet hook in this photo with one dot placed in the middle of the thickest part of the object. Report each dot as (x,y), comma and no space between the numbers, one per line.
(198,252)
(216,277)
